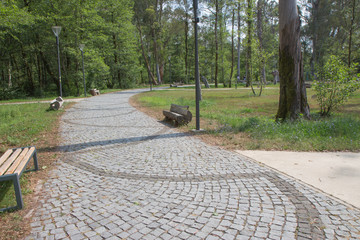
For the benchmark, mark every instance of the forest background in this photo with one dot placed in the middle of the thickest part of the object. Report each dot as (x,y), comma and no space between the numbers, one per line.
(128,42)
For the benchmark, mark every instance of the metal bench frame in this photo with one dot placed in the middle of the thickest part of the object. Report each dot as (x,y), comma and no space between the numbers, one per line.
(15,178)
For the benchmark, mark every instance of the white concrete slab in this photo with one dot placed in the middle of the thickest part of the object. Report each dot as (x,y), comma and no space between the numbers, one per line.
(336,173)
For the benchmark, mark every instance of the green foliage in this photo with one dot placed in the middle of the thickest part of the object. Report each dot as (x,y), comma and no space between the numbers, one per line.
(29,53)
(336,82)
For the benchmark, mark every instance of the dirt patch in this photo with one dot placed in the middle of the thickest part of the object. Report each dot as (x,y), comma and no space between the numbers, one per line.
(16,225)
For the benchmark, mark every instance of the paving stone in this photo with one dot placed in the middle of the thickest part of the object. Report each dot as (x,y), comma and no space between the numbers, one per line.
(125,174)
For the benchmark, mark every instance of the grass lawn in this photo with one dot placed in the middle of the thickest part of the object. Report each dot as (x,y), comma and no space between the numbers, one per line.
(236,119)
(26,125)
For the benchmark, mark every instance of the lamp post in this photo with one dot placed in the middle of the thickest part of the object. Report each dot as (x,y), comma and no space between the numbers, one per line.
(169,68)
(150,82)
(197,80)
(81,46)
(57,30)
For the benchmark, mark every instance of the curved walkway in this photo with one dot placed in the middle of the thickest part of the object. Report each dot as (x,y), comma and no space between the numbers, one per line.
(127,176)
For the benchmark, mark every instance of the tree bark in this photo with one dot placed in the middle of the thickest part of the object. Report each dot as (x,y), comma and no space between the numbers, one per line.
(351,31)
(293,99)
(260,6)
(148,67)
(238,43)
(249,43)
(216,43)
(186,39)
(232,46)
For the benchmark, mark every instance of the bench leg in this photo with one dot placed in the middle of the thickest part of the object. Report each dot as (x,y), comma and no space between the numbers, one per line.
(17,188)
(36,165)
(16,182)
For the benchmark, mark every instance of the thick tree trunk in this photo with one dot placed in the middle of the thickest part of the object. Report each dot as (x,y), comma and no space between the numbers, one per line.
(293,99)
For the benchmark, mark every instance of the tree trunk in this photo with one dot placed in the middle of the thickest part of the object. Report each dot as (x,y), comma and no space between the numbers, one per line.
(10,76)
(216,43)
(232,46)
(186,39)
(260,5)
(221,21)
(238,43)
(148,67)
(186,49)
(249,43)
(351,31)
(293,99)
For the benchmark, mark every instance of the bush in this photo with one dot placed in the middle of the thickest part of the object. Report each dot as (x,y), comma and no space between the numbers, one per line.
(10,93)
(336,82)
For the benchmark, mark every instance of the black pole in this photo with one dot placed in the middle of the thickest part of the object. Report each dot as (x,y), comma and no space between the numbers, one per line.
(82,54)
(57,43)
(58,50)
(197,80)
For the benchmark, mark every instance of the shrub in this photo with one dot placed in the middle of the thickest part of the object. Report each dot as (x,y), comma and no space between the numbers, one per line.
(336,82)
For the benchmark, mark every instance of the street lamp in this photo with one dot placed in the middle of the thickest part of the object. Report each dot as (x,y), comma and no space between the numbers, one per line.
(197,80)
(150,82)
(81,46)
(57,30)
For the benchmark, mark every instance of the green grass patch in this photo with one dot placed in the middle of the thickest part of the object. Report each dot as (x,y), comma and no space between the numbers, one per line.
(21,124)
(238,111)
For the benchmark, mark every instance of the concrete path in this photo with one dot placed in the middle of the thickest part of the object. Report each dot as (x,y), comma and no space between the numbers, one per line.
(127,176)
(336,173)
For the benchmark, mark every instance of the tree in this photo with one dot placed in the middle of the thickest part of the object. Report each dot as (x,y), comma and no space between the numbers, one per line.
(250,32)
(293,99)
(260,9)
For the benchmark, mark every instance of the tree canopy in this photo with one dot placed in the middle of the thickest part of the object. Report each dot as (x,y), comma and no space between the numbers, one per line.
(128,42)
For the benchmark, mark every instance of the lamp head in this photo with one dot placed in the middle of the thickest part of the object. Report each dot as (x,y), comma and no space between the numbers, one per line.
(56,30)
(81,46)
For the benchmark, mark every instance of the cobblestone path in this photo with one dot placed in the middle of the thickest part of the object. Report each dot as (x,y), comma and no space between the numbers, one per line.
(127,176)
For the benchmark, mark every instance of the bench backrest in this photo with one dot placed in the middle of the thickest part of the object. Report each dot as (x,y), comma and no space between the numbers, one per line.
(183,110)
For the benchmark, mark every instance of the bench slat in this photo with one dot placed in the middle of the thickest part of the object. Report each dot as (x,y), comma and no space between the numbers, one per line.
(19,169)
(7,164)
(17,161)
(5,156)
(179,109)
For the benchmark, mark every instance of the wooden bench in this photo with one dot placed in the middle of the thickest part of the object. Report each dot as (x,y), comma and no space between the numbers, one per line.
(176,84)
(12,164)
(94,92)
(180,114)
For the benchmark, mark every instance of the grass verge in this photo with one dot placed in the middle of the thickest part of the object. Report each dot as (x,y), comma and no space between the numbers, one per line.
(235,119)
(24,125)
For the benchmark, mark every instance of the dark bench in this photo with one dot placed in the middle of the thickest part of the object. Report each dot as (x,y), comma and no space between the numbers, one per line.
(180,114)
(12,164)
